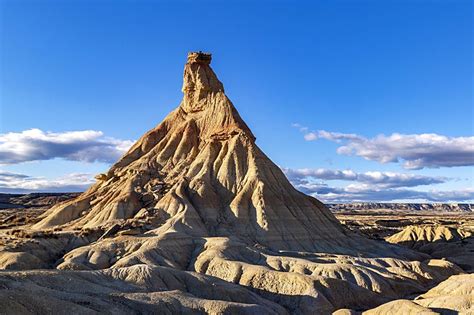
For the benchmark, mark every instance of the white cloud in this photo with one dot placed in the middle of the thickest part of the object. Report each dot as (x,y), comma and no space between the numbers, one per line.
(20,183)
(381,179)
(373,193)
(414,151)
(36,145)
(372,186)
(310,136)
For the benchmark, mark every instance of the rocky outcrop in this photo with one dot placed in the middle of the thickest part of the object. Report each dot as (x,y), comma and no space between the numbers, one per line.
(444,242)
(452,296)
(421,234)
(196,204)
(138,289)
(201,173)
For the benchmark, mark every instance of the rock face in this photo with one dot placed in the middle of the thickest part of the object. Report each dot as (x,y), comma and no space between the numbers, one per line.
(453,243)
(194,203)
(452,296)
(400,307)
(201,172)
(411,235)
(455,294)
(133,290)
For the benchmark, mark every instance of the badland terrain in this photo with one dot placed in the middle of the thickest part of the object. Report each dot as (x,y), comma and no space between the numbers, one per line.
(195,218)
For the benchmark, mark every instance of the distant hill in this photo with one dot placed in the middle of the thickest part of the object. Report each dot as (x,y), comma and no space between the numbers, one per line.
(9,201)
(437,207)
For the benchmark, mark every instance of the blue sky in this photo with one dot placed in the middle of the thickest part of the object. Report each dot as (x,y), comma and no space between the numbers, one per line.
(292,68)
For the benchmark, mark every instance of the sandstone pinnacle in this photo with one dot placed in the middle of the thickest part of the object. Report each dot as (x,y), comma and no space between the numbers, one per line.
(196,218)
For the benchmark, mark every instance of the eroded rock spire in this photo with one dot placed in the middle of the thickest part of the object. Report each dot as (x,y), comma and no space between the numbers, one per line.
(199,82)
(201,173)
(197,194)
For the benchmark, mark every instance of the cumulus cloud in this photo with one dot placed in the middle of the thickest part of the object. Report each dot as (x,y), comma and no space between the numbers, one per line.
(371,193)
(37,145)
(20,183)
(372,186)
(8,176)
(381,179)
(414,151)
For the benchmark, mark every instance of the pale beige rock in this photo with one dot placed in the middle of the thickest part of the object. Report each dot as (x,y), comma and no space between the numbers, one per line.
(428,233)
(400,307)
(454,244)
(138,289)
(208,178)
(20,260)
(455,294)
(452,296)
(345,311)
(200,196)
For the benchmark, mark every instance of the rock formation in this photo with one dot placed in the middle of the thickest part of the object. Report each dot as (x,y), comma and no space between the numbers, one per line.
(201,172)
(195,203)
(452,296)
(454,243)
